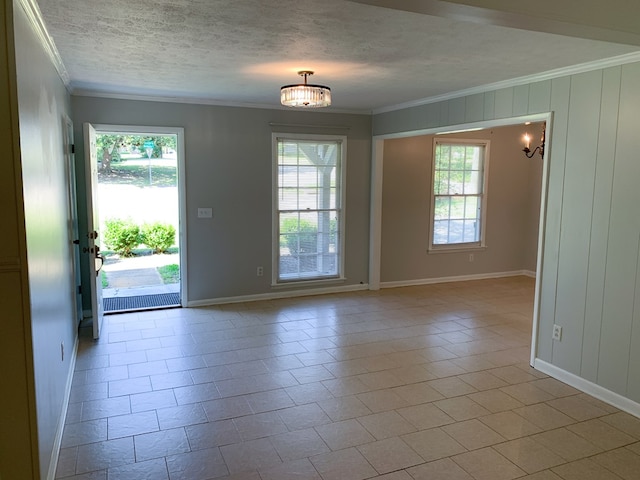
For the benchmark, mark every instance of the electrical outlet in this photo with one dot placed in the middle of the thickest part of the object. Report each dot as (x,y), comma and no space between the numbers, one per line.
(471,257)
(557,333)
(260,271)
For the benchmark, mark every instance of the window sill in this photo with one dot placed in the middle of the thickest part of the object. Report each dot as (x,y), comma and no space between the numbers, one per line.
(456,249)
(308,283)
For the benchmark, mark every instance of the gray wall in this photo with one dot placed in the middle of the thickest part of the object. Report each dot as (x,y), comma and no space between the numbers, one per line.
(228,167)
(42,104)
(512,215)
(591,247)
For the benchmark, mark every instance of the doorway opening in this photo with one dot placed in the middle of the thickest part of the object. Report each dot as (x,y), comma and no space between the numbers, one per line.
(538,190)
(139,205)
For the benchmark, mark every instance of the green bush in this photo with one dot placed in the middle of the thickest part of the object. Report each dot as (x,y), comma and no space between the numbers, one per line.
(158,236)
(298,237)
(121,236)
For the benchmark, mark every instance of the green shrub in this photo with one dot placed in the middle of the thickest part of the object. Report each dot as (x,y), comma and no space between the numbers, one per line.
(158,236)
(121,236)
(298,237)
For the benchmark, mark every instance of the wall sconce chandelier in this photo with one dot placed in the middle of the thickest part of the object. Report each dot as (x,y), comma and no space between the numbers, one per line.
(305,94)
(527,143)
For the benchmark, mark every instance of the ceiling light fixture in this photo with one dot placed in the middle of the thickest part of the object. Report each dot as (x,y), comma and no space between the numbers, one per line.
(305,94)
(527,143)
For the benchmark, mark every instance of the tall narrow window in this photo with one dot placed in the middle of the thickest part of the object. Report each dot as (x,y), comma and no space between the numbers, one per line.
(308,215)
(458,194)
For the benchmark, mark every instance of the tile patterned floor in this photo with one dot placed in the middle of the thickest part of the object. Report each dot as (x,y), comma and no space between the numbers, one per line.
(417,383)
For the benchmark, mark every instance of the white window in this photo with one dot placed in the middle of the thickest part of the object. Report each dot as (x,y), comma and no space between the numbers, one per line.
(308,212)
(458,198)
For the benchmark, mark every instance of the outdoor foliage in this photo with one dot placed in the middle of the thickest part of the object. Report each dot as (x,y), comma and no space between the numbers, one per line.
(111,145)
(158,236)
(299,236)
(137,175)
(120,158)
(121,236)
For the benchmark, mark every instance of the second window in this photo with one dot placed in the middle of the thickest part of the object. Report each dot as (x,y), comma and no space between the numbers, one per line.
(458,194)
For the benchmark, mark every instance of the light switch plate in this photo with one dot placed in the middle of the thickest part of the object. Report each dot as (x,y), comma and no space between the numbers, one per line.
(205,212)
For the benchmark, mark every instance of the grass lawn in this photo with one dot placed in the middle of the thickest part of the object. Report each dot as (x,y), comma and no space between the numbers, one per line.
(169,273)
(137,174)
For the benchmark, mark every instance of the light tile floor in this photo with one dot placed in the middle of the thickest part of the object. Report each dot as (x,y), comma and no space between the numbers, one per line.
(428,382)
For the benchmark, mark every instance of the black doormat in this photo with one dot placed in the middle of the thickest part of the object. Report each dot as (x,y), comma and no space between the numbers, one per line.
(141,302)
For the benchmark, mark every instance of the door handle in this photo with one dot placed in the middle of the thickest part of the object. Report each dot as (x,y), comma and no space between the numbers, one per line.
(99,257)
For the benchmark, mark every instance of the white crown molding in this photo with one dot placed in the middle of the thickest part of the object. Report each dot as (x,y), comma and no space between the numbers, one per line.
(82,92)
(32,10)
(538,77)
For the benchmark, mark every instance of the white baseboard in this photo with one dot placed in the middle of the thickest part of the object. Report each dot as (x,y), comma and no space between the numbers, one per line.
(57,441)
(588,387)
(353,288)
(278,295)
(459,278)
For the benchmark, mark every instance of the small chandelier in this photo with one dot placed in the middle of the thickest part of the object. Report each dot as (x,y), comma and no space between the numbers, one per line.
(304,94)
(527,143)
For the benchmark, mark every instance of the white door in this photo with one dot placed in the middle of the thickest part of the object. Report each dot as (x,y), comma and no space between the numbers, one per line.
(93,235)
(72,219)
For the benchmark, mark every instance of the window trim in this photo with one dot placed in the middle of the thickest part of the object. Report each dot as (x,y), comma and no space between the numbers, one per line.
(467,246)
(276,282)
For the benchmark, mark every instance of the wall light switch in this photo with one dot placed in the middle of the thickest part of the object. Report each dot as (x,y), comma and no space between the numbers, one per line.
(205,212)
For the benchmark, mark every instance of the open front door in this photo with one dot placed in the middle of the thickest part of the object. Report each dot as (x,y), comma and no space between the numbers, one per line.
(72,222)
(93,235)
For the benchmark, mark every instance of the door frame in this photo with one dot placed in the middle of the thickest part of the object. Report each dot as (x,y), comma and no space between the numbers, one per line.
(182,207)
(375,213)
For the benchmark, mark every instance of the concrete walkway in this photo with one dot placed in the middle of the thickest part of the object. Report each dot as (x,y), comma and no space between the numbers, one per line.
(134,276)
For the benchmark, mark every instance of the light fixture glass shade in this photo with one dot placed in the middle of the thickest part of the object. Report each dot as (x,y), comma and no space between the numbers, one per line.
(309,96)
(305,95)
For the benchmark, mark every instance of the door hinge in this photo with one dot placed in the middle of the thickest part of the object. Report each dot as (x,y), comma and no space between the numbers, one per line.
(79,289)
(73,148)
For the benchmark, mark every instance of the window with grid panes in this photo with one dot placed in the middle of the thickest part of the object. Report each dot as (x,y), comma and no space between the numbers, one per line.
(458,194)
(308,218)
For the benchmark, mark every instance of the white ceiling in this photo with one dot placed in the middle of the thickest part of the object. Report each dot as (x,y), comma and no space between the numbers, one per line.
(240,52)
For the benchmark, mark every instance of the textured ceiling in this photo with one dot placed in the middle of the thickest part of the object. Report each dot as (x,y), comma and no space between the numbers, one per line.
(242,51)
